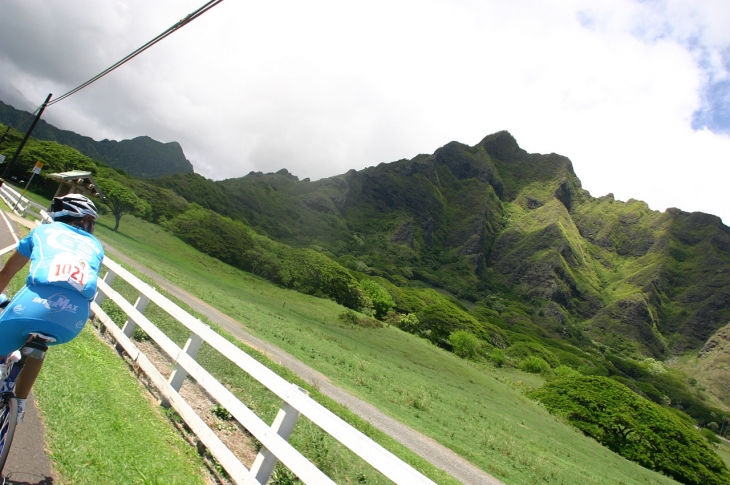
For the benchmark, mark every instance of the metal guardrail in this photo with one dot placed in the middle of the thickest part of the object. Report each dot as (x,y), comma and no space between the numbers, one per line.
(273,437)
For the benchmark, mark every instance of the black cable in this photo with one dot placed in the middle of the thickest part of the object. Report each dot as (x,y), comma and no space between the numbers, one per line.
(177,26)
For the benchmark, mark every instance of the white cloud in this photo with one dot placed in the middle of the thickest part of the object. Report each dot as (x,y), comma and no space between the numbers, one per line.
(324,86)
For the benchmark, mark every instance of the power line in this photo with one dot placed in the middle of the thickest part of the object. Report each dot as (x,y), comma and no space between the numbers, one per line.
(182,23)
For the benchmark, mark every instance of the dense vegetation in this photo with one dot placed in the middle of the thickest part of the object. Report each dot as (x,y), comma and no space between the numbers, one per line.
(635,428)
(486,251)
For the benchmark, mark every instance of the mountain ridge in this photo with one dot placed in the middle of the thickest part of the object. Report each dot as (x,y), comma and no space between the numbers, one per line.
(141,156)
(493,214)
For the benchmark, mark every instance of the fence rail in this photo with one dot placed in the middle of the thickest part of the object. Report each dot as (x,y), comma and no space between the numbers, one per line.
(273,437)
(21,205)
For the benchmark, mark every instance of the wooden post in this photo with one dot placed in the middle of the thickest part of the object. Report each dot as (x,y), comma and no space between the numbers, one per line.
(140,305)
(108,279)
(192,346)
(283,425)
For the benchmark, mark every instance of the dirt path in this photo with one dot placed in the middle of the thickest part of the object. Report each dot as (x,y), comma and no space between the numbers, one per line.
(424,446)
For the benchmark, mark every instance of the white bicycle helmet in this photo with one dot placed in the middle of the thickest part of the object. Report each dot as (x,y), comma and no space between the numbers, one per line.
(72,205)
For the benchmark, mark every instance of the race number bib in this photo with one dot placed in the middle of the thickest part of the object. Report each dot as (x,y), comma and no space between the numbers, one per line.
(69,268)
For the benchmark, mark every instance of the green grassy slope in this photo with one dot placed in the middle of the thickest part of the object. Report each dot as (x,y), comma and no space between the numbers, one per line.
(475,409)
(101,426)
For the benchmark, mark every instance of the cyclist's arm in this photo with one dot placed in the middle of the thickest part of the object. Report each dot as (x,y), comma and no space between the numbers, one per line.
(15,263)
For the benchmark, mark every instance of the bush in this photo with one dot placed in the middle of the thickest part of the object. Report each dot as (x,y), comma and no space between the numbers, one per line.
(440,319)
(304,270)
(564,370)
(348,316)
(465,344)
(497,357)
(521,350)
(381,300)
(534,365)
(213,234)
(710,436)
(634,427)
(408,322)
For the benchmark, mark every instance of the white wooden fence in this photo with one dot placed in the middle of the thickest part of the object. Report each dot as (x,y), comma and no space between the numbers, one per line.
(295,400)
(21,205)
(273,437)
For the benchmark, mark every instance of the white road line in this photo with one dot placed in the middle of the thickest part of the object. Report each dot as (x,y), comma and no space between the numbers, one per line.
(10,228)
(8,249)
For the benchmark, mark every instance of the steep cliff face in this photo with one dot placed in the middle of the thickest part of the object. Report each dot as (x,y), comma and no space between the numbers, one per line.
(493,221)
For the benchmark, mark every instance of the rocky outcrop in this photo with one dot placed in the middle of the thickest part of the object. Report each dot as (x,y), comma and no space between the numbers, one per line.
(718,343)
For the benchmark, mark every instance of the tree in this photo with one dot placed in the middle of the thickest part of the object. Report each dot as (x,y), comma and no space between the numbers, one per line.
(441,318)
(381,300)
(121,200)
(465,344)
(213,234)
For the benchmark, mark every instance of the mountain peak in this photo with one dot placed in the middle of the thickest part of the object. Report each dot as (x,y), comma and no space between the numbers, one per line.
(503,146)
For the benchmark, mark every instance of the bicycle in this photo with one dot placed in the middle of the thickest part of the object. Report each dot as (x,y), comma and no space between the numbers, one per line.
(35,348)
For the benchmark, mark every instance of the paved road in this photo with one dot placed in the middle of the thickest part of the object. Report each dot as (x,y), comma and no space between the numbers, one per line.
(424,446)
(28,463)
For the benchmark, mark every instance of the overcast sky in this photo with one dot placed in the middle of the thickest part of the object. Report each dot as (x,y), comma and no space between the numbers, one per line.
(635,93)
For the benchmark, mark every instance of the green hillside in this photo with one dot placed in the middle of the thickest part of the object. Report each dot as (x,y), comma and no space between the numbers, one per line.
(486,252)
(476,409)
(494,221)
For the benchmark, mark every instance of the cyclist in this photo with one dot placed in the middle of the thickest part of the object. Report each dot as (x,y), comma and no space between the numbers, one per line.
(65,259)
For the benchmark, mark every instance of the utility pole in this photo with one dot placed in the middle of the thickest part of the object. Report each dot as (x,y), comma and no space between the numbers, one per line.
(27,135)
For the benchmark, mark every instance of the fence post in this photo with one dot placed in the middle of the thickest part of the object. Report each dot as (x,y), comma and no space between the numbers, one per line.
(283,425)
(139,305)
(108,279)
(192,346)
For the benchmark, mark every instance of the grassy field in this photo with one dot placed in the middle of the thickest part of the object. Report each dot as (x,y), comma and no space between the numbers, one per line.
(101,427)
(473,408)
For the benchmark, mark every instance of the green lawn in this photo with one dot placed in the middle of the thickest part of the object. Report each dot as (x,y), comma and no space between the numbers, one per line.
(100,425)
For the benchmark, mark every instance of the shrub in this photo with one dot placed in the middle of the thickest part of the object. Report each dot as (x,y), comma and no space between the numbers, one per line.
(213,234)
(710,436)
(521,350)
(497,357)
(534,365)
(408,322)
(381,300)
(465,344)
(348,316)
(564,370)
(634,427)
(440,319)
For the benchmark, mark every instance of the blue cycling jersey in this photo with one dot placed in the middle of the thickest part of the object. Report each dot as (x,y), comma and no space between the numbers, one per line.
(63,256)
